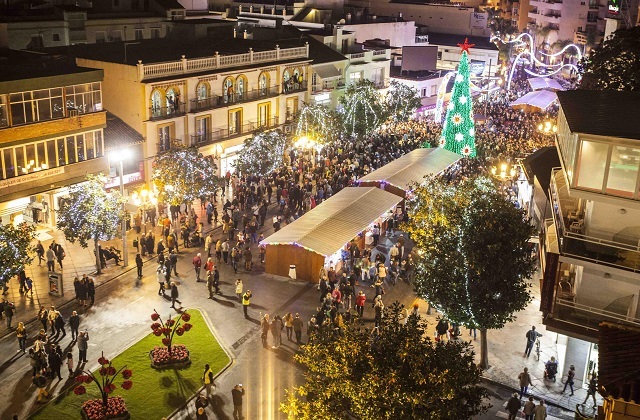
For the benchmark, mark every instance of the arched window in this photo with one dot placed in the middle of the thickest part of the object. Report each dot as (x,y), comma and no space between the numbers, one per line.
(172,100)
(156,101)
(297,78)
(263,84)
(286,80)
(227,89)
(202,90)
(241,87)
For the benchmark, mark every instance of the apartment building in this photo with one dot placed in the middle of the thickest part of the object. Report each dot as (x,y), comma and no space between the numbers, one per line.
(591,243)
(51,132)
(211,93)
(565,19)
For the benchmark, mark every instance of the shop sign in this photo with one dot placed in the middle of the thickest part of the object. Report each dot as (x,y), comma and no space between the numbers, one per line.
(31,177)
(127,179)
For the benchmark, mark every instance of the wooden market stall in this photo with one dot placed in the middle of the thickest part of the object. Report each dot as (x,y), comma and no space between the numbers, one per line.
(318,237)
(399,176)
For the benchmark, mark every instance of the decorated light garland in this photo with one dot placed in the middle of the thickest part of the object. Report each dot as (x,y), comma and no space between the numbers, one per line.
(262,153)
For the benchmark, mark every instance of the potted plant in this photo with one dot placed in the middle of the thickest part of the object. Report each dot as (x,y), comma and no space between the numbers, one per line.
(169,355)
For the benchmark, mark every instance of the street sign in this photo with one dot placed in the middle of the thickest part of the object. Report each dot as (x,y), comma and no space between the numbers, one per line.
(55,284)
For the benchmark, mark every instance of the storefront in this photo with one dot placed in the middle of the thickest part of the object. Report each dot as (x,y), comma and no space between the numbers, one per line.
(228,158)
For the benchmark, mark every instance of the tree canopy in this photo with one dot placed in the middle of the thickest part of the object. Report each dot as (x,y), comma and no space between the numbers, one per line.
(183,174)
(363,109)
(15,244)
(90,213)
(262,153)
(614,65)
(401,102)
(398,373)
(473,259)
(317,122)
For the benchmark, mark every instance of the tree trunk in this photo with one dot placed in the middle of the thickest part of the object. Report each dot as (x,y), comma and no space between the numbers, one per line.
(484,351)
(96,251)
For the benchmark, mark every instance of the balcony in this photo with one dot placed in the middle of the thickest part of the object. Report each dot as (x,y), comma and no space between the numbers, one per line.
(212,102)
(224,133)
(568,221)
(167,144)
(293,87)
(369,56)
(328,86)
(165,112)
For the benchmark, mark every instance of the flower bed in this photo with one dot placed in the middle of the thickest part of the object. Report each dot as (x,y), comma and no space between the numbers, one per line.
(160,358)
(116,409)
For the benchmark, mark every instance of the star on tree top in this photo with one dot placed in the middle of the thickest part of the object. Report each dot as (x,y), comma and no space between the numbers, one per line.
(465,46)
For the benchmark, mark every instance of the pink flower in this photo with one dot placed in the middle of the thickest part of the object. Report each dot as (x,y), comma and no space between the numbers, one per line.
(186,317)
(127,373)
(80,390)
(127,385)
(155,316)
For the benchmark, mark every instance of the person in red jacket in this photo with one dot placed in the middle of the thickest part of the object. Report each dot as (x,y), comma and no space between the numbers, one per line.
(360,300)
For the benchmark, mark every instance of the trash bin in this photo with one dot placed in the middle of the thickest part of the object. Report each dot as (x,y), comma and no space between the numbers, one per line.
(292,271)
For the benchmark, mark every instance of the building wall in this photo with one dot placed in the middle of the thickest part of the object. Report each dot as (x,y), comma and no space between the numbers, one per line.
(450,57)
(399,34)
(126,27)
(19,33)
(591,282)
(604,220)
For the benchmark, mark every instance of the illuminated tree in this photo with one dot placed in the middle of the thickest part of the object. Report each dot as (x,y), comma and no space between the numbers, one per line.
(615,65)
(363,110)
(262,153)
(317,122)
(458,132)
(15,244)
(182,174)
(397,374)
(90,213)
(473,256)
(401,102)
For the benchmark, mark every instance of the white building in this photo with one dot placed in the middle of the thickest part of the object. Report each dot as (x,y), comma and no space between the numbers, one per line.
(568,19)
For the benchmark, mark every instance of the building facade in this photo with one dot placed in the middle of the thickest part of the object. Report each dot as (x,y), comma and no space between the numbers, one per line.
(51,133)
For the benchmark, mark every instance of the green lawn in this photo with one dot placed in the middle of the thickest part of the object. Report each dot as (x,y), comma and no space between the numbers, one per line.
(154,393)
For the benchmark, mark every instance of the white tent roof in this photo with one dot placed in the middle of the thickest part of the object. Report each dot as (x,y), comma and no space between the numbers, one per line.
(336,221)
(540,99)
(413,167)
(538,83)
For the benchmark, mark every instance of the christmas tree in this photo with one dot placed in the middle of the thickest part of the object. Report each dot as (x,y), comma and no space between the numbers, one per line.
(458,133)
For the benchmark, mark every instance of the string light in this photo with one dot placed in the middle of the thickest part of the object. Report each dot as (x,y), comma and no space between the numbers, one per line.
(262,153)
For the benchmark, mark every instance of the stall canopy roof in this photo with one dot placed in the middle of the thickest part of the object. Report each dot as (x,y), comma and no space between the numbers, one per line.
(538,83)
(539,99)
(413,167)
(336,221)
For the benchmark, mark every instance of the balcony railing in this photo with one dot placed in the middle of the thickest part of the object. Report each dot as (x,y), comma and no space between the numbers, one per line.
(328,85)
(222,133)
(226,100)
(588,317)
(164,112)
(292,87)
(574,242)
(167,144)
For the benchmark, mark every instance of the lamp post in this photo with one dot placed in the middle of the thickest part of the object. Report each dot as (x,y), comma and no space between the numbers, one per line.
(120,158)
(145,200)
(305,143)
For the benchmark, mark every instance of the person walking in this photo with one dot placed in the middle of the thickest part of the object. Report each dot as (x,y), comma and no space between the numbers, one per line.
(43,317)
(21,334)
(541,411)
(216,280)
(513,406)
(288,324)
(529,409)
(59,324)
(40,381)
(50,255)
(532,335)
(55,364)
(265,325)
(239,287)
(360,302)
(207,379)
(570,376)
(83,344)
(74,324)
(60,254)
(9,311)
(210,283)
(297,328)
(276,331)
(91,290)
(139,265)
(236,394)
(173,258)
(40,252)
(160,276)
(246,301)
(225,251)
(197,264)
(524,379)
(591,391)
(174,295)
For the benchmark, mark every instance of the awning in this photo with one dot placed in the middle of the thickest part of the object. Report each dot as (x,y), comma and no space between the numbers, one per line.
(327,71)
(538,83)
(333,223)
(540,99)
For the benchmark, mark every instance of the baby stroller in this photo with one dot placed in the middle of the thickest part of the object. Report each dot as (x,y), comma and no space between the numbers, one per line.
(551,369)
(195,240)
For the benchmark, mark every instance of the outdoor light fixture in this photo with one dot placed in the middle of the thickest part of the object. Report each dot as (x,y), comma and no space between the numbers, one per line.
(145,200)
(547,128)
(120,156)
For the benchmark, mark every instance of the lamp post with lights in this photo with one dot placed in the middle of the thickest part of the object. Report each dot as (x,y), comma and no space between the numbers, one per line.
(119,157)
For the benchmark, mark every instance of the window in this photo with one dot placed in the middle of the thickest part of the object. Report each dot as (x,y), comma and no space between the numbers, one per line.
(227,89)
(377,76)
(591,167)
(37,41)
(116,35)
(623,171)
(235,121)
(292,108)
(203,128)
(263,83)
(286,81)
(439,55)
(155,33)
(22,108)
(172,97)
(433,90)
(8,163)
(241,87)
(202,90)
(156,101)
(56,37)
(4,114)
(101,36)
(164,137)
(84,98)
(263,114)
(139,33)
(355,76)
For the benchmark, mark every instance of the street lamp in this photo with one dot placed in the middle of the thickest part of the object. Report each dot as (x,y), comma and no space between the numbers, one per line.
(504,171)
(305,143)
(547,128)
(120,156)
(145,200)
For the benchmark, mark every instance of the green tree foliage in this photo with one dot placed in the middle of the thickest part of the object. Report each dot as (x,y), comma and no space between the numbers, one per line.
(15,244)
(90,213)
(183,174)
(502,31)
(363,109)
(614,65)
(473,259)
(262,153)
(318,122)
(401,102)
(397,374)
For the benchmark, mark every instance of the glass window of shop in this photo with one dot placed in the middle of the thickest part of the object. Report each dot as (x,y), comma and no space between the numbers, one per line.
(623,171)
(4,112)
(41,155)
(84,98)
(591,167)
(37,105)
